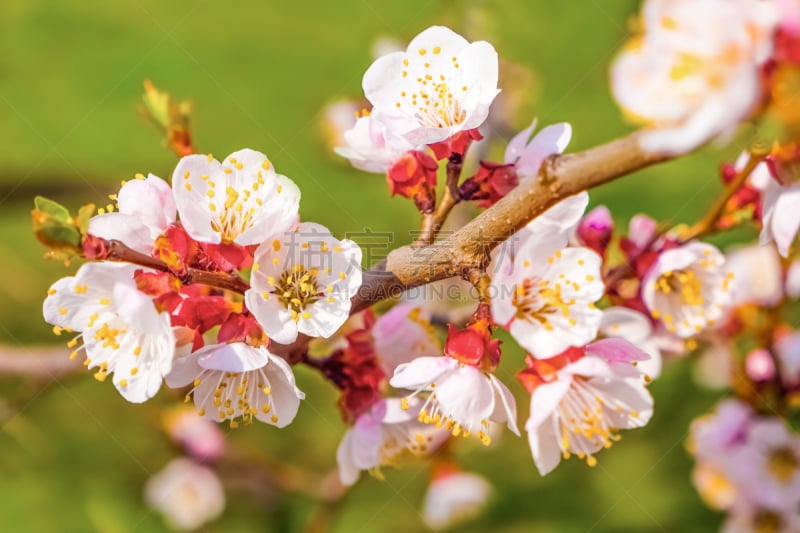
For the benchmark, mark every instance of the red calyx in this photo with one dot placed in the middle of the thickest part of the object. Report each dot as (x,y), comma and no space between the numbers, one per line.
(457,144)
(414,176)
(541,371)
(473,345)
(492,182)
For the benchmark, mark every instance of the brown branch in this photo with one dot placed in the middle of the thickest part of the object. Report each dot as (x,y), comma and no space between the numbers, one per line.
(559,177)
(117,251)
(433,222)
(41,363)
(468,248)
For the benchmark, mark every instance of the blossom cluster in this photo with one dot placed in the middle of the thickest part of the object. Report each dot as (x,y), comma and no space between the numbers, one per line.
(144,326)
(749,466)
(208,282)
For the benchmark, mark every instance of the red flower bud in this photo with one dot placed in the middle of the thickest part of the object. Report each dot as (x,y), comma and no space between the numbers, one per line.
(490,183)
(473,345)
(414,176)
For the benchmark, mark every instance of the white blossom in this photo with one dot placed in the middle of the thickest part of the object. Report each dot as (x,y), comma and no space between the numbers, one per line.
(441,85)
(590,399)
(238,200)
(186,493)
(695,73)
(302,282)
(236,380)
(145,209)
(122,332)
(462,398)
(688,288)
(382,435)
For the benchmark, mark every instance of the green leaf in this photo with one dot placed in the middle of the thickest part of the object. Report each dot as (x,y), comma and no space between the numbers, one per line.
(54,227)
(52,209)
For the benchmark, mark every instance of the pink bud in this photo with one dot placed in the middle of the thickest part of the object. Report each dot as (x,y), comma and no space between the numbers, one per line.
(759,365)
(595,229)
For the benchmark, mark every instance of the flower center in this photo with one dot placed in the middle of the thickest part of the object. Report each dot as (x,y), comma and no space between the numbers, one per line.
(237,394)
(767,522)
(539,301)
(297,289)
(684,283)
(585,420)
(233,219)
(432,98)
(782,464)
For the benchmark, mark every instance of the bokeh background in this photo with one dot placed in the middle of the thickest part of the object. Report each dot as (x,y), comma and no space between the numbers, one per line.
(74,456)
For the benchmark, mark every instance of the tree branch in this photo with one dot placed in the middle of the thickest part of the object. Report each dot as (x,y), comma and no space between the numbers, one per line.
(117,251)
(433,222)
(469,248)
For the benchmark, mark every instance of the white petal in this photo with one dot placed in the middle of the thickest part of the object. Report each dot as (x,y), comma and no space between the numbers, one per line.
(543,441)
(128,229)
(234,357)
(505,405)
(285,394)
(421,372)
(150,201)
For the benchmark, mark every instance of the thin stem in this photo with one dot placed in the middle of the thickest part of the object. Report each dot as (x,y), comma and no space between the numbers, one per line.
(432,223)
(117,251)
(707,224)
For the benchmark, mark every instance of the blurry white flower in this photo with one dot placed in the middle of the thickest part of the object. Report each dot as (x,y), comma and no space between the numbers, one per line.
(402,334)
(453,497)
(695,73)
(240,199)
(187,494)
(757,271)
(441,85)
(302,282)
(687,288)
(122,331)
(781,217)
(749,518)
(380,436)
(767,467)
(236,380)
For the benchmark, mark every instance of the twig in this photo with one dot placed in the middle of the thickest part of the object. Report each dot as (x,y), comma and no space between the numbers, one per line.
(43,363)
(117,251)
(559,177)
(707,223)
(433,222)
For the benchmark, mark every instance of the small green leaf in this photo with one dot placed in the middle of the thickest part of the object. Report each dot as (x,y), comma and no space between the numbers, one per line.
(52,209)
(54,227)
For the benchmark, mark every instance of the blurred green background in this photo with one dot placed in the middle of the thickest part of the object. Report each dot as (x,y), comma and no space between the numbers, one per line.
(74,455)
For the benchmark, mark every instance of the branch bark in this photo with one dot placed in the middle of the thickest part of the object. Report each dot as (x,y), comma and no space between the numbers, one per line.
(559,177)
(470,247)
